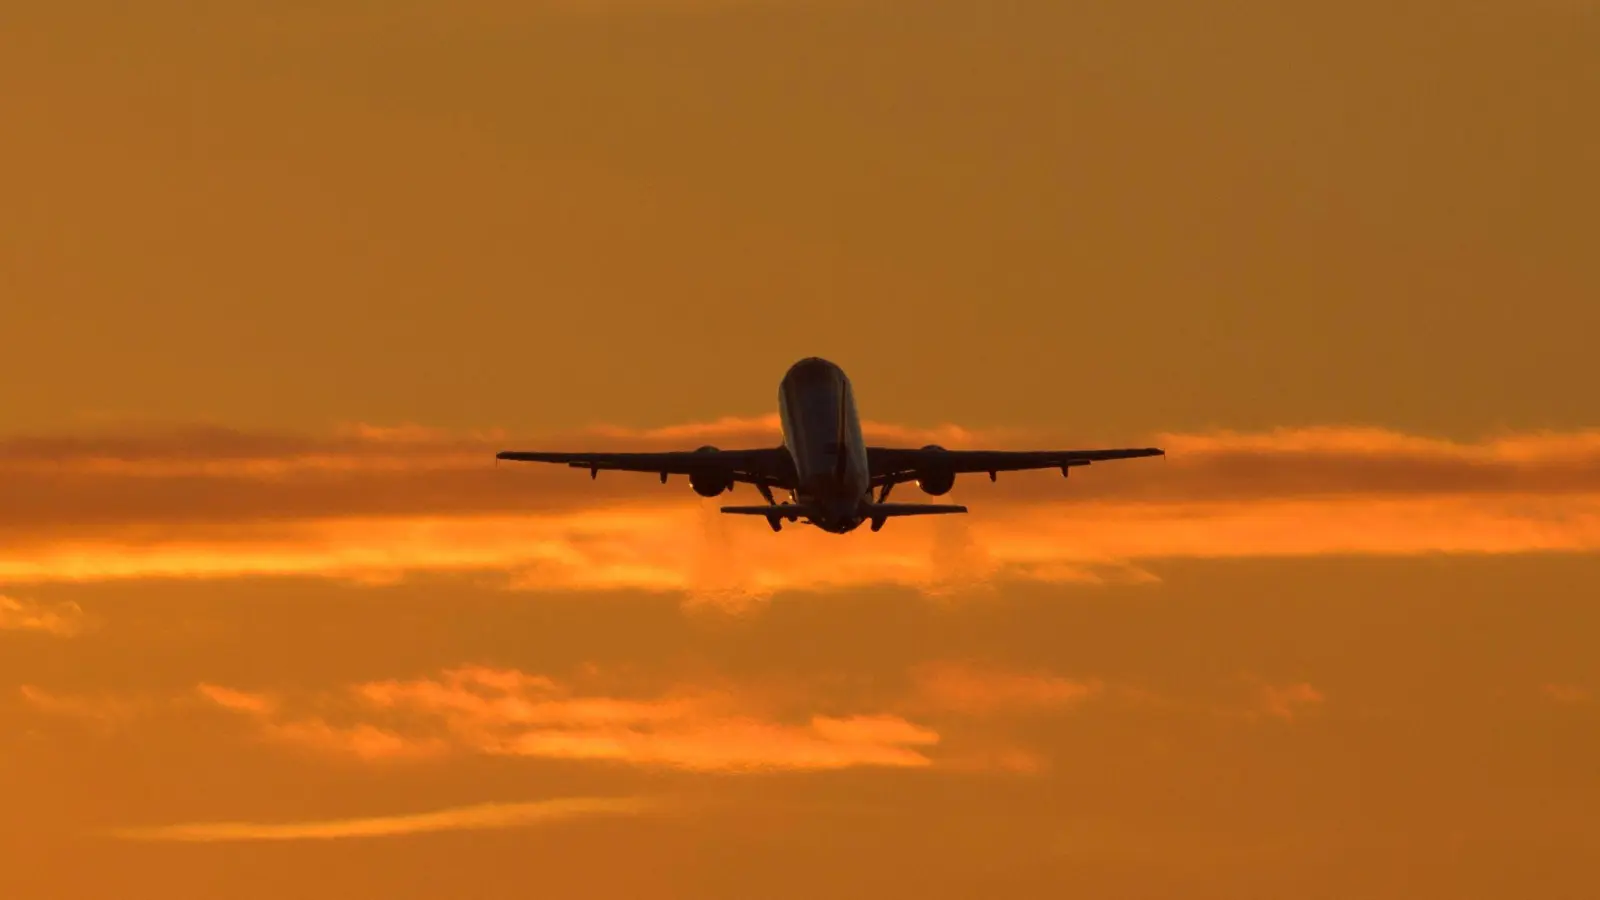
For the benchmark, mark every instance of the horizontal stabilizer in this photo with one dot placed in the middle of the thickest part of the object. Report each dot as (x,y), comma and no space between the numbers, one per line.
(879,513)
(782,510)
(891,510)
(774,513)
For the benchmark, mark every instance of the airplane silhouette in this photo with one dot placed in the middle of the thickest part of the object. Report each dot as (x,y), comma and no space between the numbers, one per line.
(824,464)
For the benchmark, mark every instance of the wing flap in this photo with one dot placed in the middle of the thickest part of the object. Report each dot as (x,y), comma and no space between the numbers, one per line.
(770,466)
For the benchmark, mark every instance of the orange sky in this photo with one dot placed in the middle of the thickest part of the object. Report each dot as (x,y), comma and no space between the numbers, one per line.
(279,278)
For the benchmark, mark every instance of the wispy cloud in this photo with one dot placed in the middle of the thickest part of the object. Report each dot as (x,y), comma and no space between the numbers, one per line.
(1565,693)
(1288,701)
(238,701)
(105,711)
(943,716)
(376,504)
(975,690)
(65,619)
(509,713)
(479,817)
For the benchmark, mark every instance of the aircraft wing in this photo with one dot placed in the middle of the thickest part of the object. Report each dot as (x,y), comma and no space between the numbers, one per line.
(887,462)
(770,466)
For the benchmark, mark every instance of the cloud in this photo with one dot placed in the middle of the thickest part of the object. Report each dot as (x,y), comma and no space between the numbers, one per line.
(1565,693)
(674,550)
(104,711)
(377,504)
(508,713)
(362,741)
(972,690)
(955,716)
(480,817)
(64,619)
(238,701)
(1287,701)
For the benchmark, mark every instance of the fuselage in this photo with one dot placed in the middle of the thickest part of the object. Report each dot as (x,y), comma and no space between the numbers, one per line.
(822,433)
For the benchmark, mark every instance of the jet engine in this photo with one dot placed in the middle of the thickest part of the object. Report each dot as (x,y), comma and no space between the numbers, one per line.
(935,482)
(710,483)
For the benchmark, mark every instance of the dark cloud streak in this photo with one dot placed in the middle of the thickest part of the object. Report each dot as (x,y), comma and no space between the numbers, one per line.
(216,475)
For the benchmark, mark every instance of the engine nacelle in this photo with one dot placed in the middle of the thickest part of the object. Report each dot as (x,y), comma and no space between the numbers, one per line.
(935,482)
(710,483)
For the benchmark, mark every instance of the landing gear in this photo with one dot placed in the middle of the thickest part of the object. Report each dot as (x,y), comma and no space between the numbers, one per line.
(877,522)
(774,519)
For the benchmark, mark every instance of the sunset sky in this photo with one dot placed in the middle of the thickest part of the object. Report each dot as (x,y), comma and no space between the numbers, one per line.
(278,279)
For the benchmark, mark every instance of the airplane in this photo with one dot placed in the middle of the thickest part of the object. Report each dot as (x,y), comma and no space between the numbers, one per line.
(824,463)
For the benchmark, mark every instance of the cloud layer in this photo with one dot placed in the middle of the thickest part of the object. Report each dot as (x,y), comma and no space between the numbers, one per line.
(945,715)
(479,817)
(377,504)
